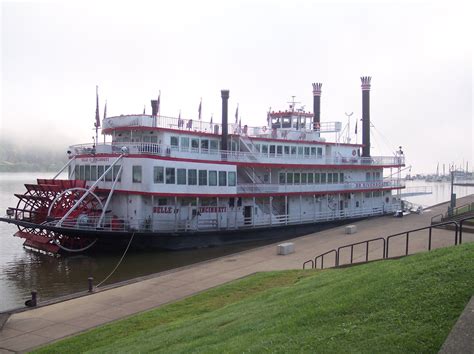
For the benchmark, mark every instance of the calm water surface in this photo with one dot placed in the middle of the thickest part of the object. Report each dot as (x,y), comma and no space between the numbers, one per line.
(22,270)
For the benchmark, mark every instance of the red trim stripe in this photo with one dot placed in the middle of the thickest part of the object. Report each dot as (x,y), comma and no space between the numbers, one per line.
(191,132)
(248,195)
(245,164)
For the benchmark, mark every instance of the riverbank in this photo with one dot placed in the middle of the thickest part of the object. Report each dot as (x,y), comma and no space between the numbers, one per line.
(39,326)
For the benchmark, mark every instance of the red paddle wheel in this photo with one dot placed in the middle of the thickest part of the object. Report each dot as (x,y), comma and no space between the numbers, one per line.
(50,200)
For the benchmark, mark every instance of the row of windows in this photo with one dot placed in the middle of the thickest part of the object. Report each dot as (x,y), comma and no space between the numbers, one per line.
(183,176)
(310,178)
(93,172)
(289,150)
(184,143)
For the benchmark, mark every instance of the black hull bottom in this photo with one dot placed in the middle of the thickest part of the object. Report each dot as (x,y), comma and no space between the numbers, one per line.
(113,240)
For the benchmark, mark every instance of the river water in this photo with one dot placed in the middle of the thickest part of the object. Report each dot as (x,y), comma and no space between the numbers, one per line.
(22,271)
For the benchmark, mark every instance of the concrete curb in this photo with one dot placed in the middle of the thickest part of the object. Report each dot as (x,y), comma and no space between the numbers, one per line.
(461,337)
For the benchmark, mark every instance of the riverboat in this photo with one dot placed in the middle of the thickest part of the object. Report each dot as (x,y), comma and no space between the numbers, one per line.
(178,183)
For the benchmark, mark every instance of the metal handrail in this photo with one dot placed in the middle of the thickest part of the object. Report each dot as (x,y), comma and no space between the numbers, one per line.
(430,228)
(308,261)
(322,259)
(461,224)
(367,242)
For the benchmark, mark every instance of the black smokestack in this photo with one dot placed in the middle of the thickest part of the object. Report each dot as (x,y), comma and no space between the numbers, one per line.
(154,108)
(365,115)
(317,105)
(225,98)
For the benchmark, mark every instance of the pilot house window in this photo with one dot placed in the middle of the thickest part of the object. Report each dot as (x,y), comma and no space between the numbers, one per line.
(137,174)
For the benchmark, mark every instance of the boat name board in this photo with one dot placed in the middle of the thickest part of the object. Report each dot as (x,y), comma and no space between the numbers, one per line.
(95,159)
(201,210)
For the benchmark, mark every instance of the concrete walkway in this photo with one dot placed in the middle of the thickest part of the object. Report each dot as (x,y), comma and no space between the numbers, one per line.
(29,329)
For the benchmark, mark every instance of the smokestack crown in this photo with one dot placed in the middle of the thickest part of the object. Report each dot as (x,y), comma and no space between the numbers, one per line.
(225,93)
(365,83)
(317,89)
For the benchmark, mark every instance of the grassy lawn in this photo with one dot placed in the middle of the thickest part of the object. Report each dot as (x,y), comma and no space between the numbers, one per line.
(404,305)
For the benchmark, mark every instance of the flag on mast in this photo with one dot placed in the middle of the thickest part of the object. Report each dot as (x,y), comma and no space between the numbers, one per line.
(97,116)
(355,131)
(105,110)
(199,109)
(144,109)
(237,114)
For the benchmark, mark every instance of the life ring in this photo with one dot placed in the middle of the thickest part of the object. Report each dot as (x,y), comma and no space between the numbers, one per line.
(354,152)
(318,126)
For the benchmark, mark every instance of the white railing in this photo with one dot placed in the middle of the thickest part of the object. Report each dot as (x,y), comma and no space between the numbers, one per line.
(346,186)
(212,224)
(196,125)
(234,156)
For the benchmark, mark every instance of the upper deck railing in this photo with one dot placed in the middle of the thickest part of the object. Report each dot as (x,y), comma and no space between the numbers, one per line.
(201,126)
(233,156)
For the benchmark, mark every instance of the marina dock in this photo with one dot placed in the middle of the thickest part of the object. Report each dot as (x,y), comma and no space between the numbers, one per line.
(38,326)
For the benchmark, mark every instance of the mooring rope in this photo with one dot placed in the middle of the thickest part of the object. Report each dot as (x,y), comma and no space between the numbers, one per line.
(118,264)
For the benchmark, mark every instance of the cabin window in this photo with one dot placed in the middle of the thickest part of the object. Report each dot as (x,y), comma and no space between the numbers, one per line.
(293,150)
(323,178)
(174,142)
(289,178)
(76,172)
(329,177)
(317,178)
(335,178)
(181,175)
(192,177)
(287,150)
(232,179)
(265,149)
(204,145)
(306,150)
(162,201)
(367,176)
(108,175)
(158,174)
(203,177)
(377,175)
(300,150)
(279,150)
(100,171)
(87,173)
(310,178)
(313,151)
(93,173)
(272,150)
(368,195)
(341,177)
(195,144)
(377,194)
(222,178)
(214,145)
(304,178)
(115,171)
(257,147)
(282,177)
(213,178)
(81,172)
(136,174)
(320,152)
(296,178)
(184,144)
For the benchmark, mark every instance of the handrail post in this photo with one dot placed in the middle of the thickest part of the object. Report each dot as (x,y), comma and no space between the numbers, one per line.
(367,251)
(429,239)
(406,245)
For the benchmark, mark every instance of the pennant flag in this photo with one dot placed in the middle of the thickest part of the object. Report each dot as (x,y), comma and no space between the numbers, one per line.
(180,121)
(105,110)
(355,132)
(268,115)
(144,108)
(237,114)
(158,104)
(97,117)
(211,118)
(199,109)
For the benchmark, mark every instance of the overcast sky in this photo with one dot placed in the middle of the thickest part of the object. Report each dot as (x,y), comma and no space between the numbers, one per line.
(418,54)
